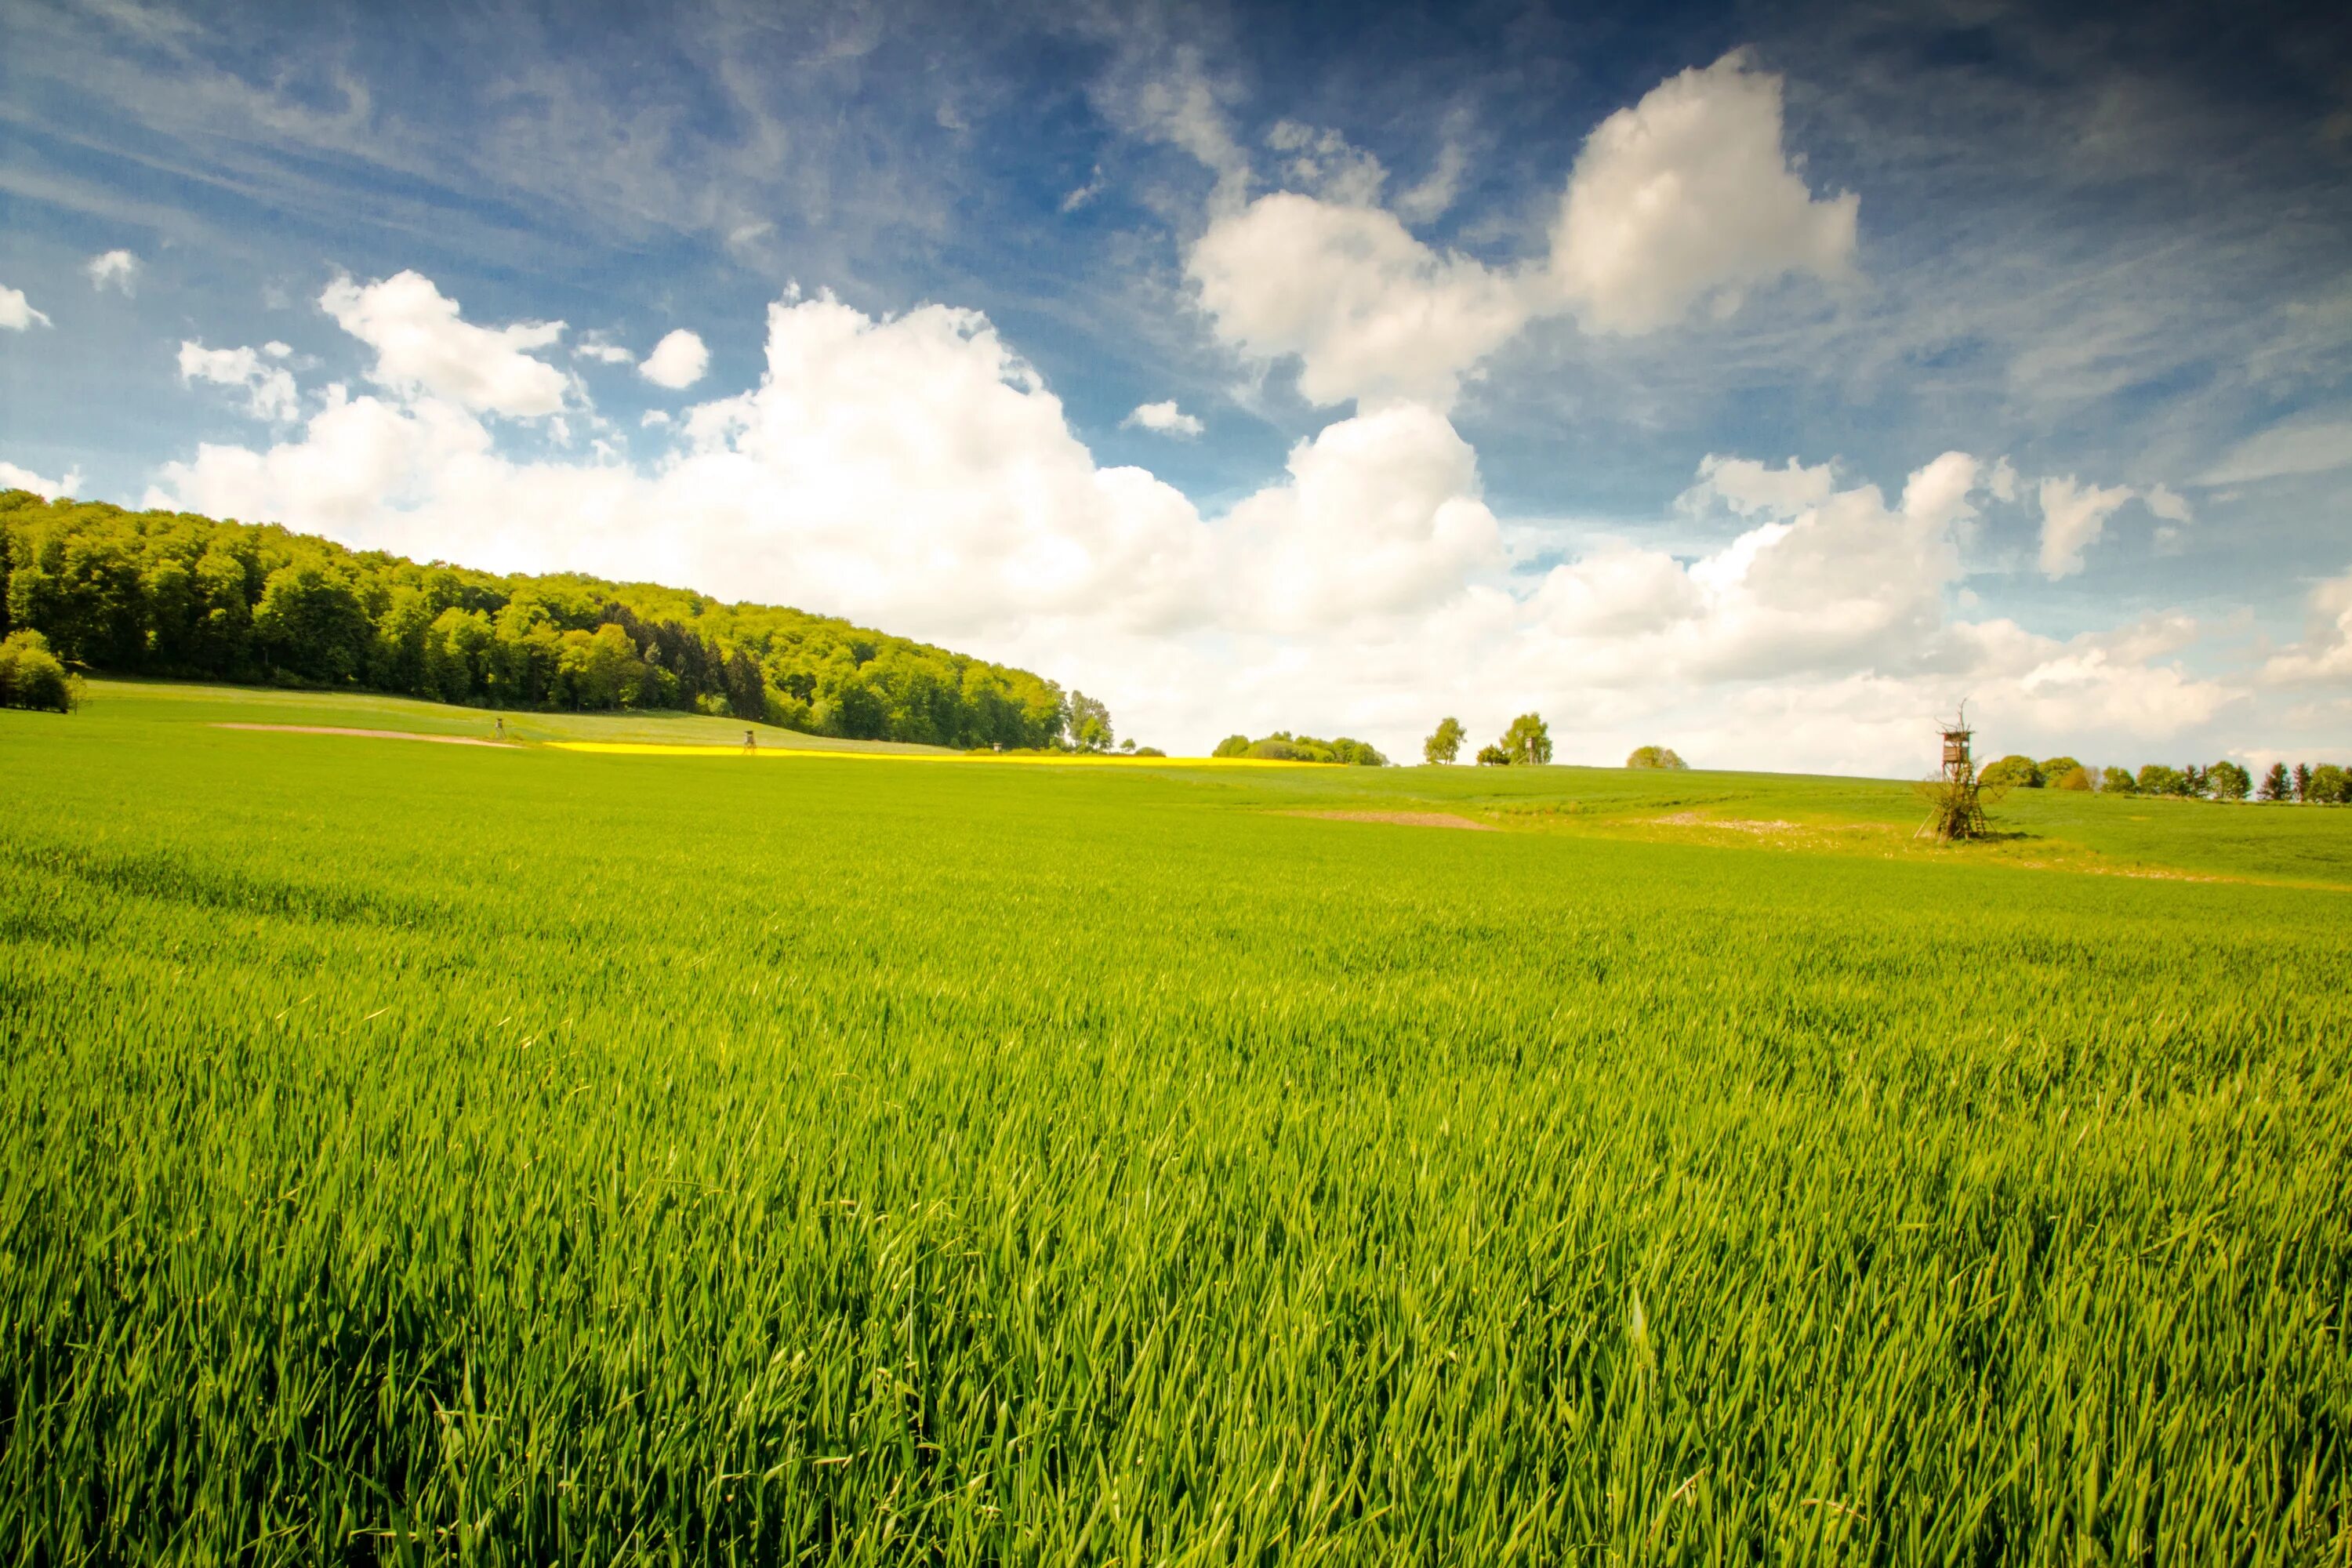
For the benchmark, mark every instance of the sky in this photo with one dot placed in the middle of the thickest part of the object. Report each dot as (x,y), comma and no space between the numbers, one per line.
(1761,381)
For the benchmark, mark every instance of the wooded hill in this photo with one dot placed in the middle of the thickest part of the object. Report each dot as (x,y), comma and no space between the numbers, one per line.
(159,593)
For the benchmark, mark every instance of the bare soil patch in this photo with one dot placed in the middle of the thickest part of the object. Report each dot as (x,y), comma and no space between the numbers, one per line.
(1403,818)
(372,734)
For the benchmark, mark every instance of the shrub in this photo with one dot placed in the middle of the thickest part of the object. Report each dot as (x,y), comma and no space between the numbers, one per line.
(1654,757)
(2011,772)
(30,675)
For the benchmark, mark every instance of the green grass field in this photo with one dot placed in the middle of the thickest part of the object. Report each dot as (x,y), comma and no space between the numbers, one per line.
(423,1152)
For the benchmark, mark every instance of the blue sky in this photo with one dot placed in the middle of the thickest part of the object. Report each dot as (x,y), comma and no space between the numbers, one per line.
(1757,380)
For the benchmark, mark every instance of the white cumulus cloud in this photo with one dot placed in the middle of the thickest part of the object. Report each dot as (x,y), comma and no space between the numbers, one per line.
(270,391)
(1370,311)
(1689,196)
(914,472)
(1165,418)
(424,345)
(677,361)
(2325,654)
(12,477)
(116,270)
(17,312)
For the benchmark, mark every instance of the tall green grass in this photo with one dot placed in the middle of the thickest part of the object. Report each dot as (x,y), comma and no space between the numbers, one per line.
(423,1153)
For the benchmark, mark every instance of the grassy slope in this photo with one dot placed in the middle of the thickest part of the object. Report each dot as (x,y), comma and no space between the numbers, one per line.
(576,1153)
(136,702)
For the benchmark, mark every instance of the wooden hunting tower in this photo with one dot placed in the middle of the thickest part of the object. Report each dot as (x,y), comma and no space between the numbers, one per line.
(1953,809)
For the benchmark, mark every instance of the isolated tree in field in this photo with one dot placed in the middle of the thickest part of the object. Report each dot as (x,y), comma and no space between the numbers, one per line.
(1494,757)
(2302,781)
(2117,781)
(1527,741)
(2012,771)
(2227,781)
(1089,723)
(1654,757)
(1445,743)
(2274,784)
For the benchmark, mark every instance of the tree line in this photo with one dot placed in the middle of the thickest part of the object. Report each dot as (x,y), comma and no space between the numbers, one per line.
(2326,785)
(1282,746)
(173,594)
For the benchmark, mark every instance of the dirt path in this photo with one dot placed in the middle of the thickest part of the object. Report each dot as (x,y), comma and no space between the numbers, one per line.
(1403,818)
(372,734)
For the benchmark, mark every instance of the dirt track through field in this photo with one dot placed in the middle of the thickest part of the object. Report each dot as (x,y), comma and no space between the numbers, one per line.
(1403,818)
(372,734)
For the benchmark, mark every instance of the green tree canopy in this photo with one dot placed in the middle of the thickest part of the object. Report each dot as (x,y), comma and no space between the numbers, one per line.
(2276,785)
(1493,756)
(1527,741)
(1445,743)
(2330,785)
(173,593)
(2012,771)
(2117,781)
(1654,757)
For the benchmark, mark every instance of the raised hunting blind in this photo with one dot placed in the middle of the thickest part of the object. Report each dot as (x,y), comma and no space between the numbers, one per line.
(1955,799)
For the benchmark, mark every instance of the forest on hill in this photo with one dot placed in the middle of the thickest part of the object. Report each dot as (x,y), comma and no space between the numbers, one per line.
(173,594)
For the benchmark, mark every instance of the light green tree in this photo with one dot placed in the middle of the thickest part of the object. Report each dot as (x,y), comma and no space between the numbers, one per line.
(1527,741)
(1445,743)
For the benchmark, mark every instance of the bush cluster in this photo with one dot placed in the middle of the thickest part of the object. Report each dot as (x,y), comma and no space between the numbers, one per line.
(1282,746)
(30,675)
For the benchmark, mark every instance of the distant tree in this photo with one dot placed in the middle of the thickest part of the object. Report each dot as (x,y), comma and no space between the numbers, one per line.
(2012,771)
(1654,757)
(2155,778)
(1128,745)
(2052,769)
(2227,781)
(1149,752)
(1089,723)
(2330,785)
(1445,743)
(2276,785)
(2193,782)
(30,675)
(2116,780)
(1494,757)
(747,688)
(1528,741)
(1233,746)
(2077,777)
(2302,781)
